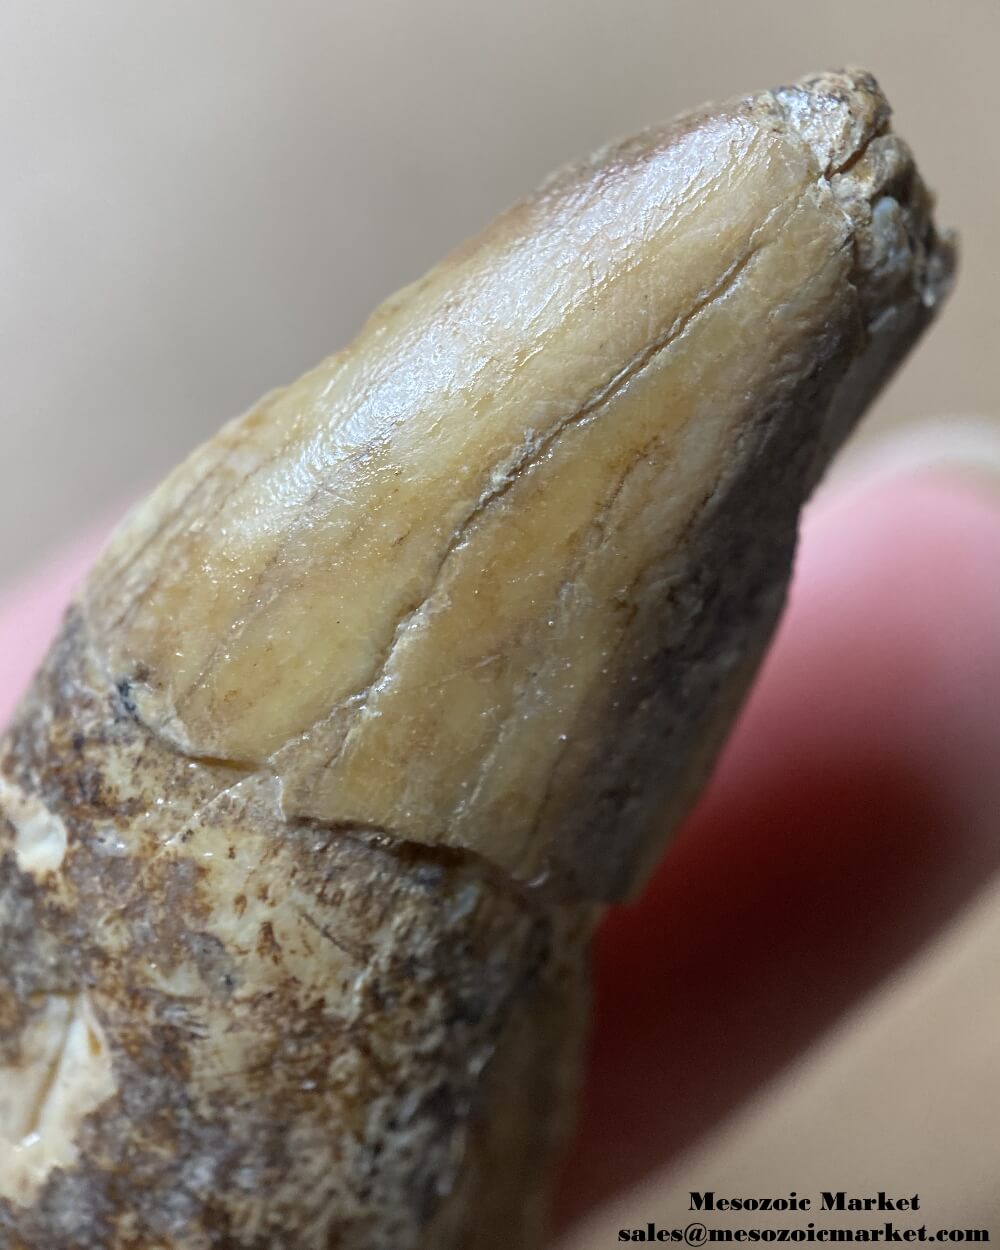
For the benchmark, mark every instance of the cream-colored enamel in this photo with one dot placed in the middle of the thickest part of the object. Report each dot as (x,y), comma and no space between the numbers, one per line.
(508,659)
(411,585)
(64,1072)
(39,835)
(300,557)
(432,540)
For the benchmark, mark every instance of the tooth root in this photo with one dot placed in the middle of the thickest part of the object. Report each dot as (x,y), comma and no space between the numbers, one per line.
(368,708)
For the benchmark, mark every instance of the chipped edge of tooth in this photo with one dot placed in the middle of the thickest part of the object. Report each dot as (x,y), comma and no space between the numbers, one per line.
(844,118)
(837,113)
(64,1072)
(39,834)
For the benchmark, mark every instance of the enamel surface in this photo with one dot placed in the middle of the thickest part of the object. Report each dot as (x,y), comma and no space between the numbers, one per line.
(408,584)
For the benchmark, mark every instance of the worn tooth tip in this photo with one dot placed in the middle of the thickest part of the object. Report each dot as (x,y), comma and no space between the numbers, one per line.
(836,112)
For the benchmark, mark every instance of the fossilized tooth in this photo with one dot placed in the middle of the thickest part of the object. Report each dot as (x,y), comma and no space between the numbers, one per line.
(359,718)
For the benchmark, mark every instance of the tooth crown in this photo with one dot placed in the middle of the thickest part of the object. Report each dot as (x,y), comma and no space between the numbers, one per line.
(444,576)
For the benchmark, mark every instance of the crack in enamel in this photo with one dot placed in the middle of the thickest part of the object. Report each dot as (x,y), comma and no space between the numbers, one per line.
(598,405)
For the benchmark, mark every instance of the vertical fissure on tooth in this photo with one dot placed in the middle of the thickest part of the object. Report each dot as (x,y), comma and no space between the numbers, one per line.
(589,410)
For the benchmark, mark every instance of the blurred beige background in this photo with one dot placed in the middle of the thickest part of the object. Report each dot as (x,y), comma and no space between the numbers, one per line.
(201,199)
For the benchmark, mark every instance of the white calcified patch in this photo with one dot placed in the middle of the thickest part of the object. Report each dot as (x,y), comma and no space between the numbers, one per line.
(39,835)
(63,1073)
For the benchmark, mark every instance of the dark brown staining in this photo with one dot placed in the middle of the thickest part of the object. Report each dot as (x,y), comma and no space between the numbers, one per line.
(267,943)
